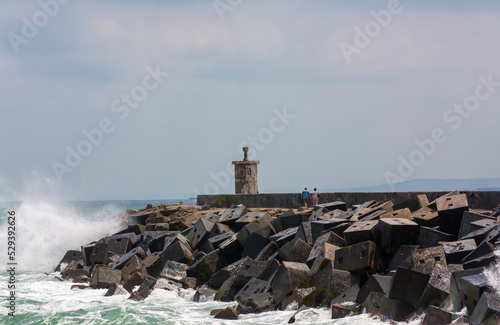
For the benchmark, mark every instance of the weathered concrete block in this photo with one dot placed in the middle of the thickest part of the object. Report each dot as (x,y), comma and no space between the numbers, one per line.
(177,252)
(104,277)
(493,235)
(332,282)
(414,203)
(261,225)
(375,283)
(320,225)
(86,253)
(457,250)
(229,216)
(483,250)
(487,307)
(426,216)
(326,255)
(132,266)
(98,255)
(292,220)
(284,236)
(471,289)
(375,215)
(451,210)
(373,303)
(359,258)
(69,257)
(115,289)
(402,257)
(347,297)
(260,302)
(120,262)
(216,240)
(430,237)
(394,232)
(467,218)
(147,286)
(479,235)
(255,245)
(271,267)
(174,271)
(295,251)
(304,232)
(303,297)
(230,288)
(402,213)
(290,276)
(231,249)
(437,316)
(338,229)
(455,286)
(267,252)
(250,217)
(397,310)
(425,259)
(330,206)
(203,293)
(437,289)
(118,246)
(408,285)
(203,269)
(361,231)
(218,278)
(199,232)
(483,223)
(136,229)
(252,287)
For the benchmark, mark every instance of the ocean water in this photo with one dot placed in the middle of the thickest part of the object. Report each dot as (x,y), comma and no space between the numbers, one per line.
(46,230)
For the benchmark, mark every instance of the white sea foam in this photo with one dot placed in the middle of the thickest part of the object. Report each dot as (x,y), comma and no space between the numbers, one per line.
(493,273)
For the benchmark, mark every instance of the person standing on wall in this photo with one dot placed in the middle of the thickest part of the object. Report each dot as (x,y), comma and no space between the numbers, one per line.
(315,197)
(305,196)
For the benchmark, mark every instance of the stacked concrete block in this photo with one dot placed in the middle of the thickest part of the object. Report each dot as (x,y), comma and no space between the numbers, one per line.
(104,276)
(426,259)
(375,283)
(330,206)
(304,232)
(408,285)
(295,251)
(326,255)
(229,216)
(451,210)
(438,287)
(457,250)
(401,213)
(394,232)
(290,276)
(467,218)
(426,216)
(430,237)
(361,231)
(332,282)
(414,203)
(359,258)
(261,224)
(487,308)
(199,232)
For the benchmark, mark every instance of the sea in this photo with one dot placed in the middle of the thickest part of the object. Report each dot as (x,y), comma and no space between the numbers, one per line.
(45,230)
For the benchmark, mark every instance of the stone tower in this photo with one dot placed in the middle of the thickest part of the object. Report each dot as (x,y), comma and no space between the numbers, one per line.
(245,175)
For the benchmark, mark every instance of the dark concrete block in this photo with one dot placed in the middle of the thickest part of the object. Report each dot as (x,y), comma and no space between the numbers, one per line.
(320,225)
(136,229)
(341,311)
(250,217)
(118,246)
(402,257)
(426,216)
(483,223)
(203,269)
(290,276)
(284,236)
(292,220)
(177,252)
(332,282)
(147,286)
(394,232)
(98,255)
(229,216)
(485,249)
(330,206)
(393,309)
(487,307)
(347,297)
(373,303)
(408,285)
(304,232)
(216,240)
(302,296)
(295,251)
(174,271)
(132,266)
(231,249)
(338,229)
(480,235)
(402,213)
(430,237)
(69,257)
(203,293)
(456,289)
(199,232)
(467,218)
(86,253)
(437,316)
(493,235)
(103,277)
(471,289)
(457,250)
(359,258)
(437,289)
(219,277)
(361,231)
(325,256)
(451,210)
(120,262)
(317,214)
(261,224)
(414,203)
(267,252)
(375,283)
(425,260)
(255,244)
(252,287)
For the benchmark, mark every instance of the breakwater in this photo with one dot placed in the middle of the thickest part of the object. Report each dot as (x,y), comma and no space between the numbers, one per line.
(477,199)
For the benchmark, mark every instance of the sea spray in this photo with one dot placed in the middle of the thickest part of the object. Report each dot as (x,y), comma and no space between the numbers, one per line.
(46,230)
(493,273)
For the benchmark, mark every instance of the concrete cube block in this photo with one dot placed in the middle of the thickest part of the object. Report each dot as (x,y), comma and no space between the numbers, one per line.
(255,244)
(122,260)
(467,218)
(488,307)
(332,282)
(177,252)
(252,287)
(295,251)
(104,276)
(375,283)
(261,225)
(267,252)
(451,210)
(320,225)
(361,231)
(86,253)
(359,258)
(330,206)
(304,232)
(373,216)
(147,286)
(203,269)
(98,255)
(229,216)
(437,316)
(216,240)
(118,246)
(231,249)
(174,271)
(284,236)
(302,296)
(250,217)
(347,297)
(457,250)
(408,285)
(414,203)
(425,259)
(372,303)
(290,276)
(199,232)
(402,257)
(455,286)
(483,223)
(396,310)
(402,213)
(430,237)
(326,255)
(292,220)
(471,289)
(437,289)
(132,266)
(483,250)
(69,257)
(394,232)
(426,216)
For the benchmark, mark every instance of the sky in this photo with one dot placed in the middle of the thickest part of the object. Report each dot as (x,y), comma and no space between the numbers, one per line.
(108,100)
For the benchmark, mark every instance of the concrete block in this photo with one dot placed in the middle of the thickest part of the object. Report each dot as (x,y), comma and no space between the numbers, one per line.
(330,206)
(471,289)
(230,288)
(295,251)
(255,244)
(394,232)
(203,269)
(414,203)
(104,276)
(451,210)
(132,266)
(290,276)
(437,289)
(326,255)
(216,240)
(479,235)
(455,286)
(317,214)
(270,270)
(320,225)
(178,237)
(402,257)
(284,236)
(163,226)
(118,246)
(493,235)
(347,297)
(177,252)
(229,216)
(292,220)
(430,237)
(396,310)
(457,250)
(98,255)
(252,287)
(218,229)
(261,225)
(338,229)
(483,223)
(120,262)
(86,253)
(267,252)
(359,258)
(231,249)
(425,260)
(437,316)
(375,283)
(362,212)
(304,232)
(373,216)
(332,282)
(488,307)
(402,213)
(174,271)
(219,277)
(467,218)
(250,217)
(484,249)
(115,289)
(199,232)
(203,293)
(408,285)
(261,302)
(136,229)
(426,217)
(361,231)
(147,286)
(303,297)
(69,257)
(372,303)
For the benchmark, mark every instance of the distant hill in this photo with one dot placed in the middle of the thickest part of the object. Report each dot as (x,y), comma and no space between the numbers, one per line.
(432,184)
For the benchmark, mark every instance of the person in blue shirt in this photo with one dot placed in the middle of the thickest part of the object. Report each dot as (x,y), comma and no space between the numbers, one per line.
(305,196)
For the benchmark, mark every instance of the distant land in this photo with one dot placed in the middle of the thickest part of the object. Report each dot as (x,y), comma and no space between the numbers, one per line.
(434,184)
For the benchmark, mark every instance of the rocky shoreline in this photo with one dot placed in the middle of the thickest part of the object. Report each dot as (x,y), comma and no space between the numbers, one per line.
(394,261)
